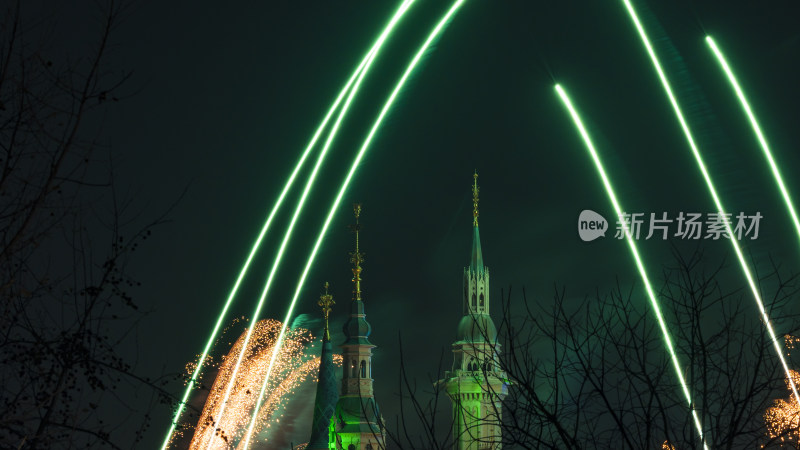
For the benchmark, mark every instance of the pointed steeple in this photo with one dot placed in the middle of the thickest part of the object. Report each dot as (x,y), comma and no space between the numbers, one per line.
(327,393)
(325,302)
(476,263)
(357,329)
(356,257)
(476,275)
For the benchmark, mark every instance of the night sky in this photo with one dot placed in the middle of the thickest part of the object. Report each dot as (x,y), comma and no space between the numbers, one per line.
(224,97)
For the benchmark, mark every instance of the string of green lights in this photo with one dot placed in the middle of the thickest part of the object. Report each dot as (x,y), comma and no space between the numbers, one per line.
(639,264)
(298,209)
(335,206)
(717,202)
(256,245)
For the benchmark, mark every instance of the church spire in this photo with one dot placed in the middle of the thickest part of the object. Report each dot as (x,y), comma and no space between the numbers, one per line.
(357,329)
(476,275)
(475,190)
(356,257)
(325,302)
(327,394)
(476,264)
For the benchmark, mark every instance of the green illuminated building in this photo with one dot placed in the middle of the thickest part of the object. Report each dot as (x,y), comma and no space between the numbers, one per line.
(476,385)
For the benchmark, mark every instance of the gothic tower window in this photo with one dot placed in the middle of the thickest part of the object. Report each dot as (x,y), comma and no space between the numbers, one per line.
(474,301)
(363,369)
(481,300)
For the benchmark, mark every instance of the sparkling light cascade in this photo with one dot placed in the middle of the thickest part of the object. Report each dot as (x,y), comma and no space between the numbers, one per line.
(292,367)
(783,417)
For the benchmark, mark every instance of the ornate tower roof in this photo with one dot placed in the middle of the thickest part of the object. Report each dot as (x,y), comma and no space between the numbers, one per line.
(476,275)
(327,394)
(357,329)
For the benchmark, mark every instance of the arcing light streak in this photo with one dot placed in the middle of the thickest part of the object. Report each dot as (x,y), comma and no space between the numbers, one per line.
(754,123)
(639,265)
(309,184)
(717,201)
(412,65)
(259,239)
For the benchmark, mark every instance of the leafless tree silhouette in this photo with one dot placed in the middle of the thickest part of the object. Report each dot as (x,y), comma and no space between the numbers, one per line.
(596,373)
(66,238)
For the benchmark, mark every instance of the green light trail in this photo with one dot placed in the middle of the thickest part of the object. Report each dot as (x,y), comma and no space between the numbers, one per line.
(392,97)
(298,209)
(639,264)
(754,123)
(254,250)
(717,201)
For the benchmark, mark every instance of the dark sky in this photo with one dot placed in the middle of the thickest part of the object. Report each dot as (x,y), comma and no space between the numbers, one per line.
(227,95)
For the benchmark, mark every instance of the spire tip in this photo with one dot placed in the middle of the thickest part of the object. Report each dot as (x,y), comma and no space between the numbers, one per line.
(325,302)
(356,257)
(475,190)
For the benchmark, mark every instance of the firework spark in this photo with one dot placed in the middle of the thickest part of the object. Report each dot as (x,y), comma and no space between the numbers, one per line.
(783,417)
(293,366)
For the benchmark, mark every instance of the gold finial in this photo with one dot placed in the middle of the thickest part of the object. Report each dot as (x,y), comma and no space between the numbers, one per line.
(475,190)
(326,301)
(356,257)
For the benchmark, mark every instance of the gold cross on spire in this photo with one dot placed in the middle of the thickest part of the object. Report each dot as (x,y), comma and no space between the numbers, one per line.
(475,190)
(326,301)
(356,257)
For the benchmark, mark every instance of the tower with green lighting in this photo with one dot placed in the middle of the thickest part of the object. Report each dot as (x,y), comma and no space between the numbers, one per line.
(357,423)
(476,385)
